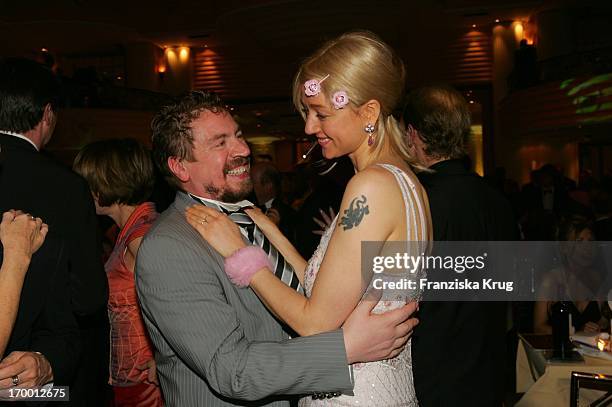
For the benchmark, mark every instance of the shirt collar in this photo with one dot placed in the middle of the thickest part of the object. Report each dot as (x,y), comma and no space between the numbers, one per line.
(21,136)
(268,204)
(230,207)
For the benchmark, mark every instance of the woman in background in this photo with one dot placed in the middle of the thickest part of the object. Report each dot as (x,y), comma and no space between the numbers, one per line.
(120,176)
(577,278)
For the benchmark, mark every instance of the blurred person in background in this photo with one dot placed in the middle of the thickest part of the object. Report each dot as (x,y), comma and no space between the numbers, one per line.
(578,278)
(463,208)
(267,187)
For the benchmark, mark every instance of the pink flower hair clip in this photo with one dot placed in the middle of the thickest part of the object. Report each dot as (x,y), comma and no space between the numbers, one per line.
(312,87)
(340,99)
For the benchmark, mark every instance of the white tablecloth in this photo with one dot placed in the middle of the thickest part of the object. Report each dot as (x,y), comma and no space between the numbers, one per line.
(553,387)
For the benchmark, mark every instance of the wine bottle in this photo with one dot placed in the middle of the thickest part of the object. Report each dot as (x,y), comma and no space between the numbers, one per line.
(560,319)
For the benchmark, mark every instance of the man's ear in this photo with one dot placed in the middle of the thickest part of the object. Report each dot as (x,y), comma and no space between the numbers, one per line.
(49,116)
(177,166)
(410,135)
(413,136)
(370,111)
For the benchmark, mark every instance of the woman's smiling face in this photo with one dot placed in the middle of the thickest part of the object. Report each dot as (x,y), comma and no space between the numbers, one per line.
(338,131)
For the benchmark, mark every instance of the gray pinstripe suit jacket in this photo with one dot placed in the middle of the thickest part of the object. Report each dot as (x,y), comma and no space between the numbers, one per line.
(217,345)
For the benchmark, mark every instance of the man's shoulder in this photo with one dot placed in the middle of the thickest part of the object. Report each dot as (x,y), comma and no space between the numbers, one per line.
(168,224)
(45,188)
(46,170)
(463,185)
(169,230)
(172,244)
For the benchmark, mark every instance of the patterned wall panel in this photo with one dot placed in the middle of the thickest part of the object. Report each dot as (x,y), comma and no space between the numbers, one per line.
(468,58)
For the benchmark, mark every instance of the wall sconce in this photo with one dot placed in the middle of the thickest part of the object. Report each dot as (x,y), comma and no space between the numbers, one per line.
(183,54)
(171,56)
(161,72)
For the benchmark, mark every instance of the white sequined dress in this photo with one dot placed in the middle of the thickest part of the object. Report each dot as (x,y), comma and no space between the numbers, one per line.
(387,383)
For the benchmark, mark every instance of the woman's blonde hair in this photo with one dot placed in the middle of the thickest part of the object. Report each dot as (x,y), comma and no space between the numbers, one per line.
(366,68)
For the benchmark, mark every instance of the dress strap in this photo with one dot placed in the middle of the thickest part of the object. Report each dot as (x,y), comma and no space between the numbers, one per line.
(412,204)
(138,223)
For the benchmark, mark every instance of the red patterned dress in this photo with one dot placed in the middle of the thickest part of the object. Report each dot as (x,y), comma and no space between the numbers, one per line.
(130,344)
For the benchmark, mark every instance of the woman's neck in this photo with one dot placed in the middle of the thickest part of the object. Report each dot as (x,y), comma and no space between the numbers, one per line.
(121,214)
(364,157)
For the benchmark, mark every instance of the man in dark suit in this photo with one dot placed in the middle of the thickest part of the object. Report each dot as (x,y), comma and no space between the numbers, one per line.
(458,348)
(35,184)
(550,194)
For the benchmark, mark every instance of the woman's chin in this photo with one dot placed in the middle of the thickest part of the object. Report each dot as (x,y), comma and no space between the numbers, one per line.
(329,154)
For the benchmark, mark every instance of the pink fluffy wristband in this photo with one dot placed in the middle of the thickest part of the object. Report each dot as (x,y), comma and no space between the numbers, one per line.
(244,263)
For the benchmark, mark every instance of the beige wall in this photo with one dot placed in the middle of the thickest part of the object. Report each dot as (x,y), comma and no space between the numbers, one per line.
(143,62)
(525,155)
(78,127)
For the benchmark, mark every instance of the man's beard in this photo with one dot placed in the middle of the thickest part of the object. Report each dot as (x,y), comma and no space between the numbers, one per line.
(231,196)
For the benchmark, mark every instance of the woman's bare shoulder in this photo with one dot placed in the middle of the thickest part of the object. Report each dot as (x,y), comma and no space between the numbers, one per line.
(373,179)
(373,191)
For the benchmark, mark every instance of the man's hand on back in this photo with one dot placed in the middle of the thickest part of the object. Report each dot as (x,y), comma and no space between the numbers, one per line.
(370,337)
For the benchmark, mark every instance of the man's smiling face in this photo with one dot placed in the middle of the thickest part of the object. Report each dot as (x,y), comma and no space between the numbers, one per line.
(221,168)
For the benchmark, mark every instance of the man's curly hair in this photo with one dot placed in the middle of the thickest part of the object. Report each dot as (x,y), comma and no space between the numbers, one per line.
(171,129)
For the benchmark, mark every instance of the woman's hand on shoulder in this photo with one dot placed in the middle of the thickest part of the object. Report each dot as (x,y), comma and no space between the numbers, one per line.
(216,228)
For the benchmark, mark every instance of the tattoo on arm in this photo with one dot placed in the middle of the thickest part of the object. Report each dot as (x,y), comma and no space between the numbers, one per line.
(355,213)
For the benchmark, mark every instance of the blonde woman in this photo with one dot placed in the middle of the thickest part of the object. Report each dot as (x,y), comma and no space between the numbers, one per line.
(346,92)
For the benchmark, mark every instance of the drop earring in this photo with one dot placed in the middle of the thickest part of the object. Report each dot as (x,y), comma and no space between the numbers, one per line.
(369,128)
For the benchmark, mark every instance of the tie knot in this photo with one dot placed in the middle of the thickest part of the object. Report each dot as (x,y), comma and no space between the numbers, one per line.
(224,207)
(235,210)
(237,214)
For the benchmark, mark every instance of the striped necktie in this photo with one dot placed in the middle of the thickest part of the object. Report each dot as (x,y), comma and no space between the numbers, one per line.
(283,270)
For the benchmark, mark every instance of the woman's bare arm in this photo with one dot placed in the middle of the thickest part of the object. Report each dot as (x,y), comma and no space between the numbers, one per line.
(278,240)
(21,236)
(366,214)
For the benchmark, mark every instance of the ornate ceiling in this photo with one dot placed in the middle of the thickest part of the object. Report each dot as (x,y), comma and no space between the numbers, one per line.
(257,44)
